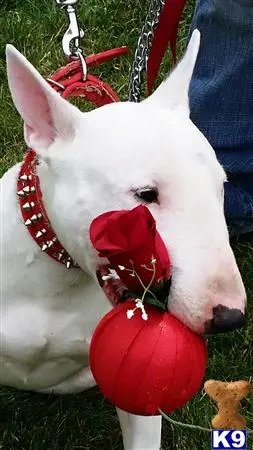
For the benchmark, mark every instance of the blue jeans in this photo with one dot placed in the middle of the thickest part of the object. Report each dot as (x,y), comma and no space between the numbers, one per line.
(221,99)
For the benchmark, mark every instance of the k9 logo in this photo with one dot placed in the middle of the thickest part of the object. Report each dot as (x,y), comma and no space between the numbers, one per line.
(229,439)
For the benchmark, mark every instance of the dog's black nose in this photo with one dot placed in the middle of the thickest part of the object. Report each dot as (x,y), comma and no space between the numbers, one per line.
(224,319)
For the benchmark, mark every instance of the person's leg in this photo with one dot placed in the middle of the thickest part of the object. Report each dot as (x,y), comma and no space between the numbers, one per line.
(221,98)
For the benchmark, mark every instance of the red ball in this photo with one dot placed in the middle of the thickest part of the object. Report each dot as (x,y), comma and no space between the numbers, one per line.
(142,365)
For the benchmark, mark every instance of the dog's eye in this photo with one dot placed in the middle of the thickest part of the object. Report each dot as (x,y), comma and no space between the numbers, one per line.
(147,195)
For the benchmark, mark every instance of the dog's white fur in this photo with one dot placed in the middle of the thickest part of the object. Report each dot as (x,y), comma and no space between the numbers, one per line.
(91,163)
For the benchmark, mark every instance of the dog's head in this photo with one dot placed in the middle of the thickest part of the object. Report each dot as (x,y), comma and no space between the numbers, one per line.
(124,154)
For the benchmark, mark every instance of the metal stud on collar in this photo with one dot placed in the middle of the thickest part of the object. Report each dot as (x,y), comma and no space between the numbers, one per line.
(40,233)
(25,177)
(51,242)
(60,255)
(44,247)
(27,206)
(21,193)
(69,262)
(36,217)
(33,219)
(28,189)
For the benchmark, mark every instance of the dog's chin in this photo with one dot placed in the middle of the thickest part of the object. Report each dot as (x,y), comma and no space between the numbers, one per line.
(196,327)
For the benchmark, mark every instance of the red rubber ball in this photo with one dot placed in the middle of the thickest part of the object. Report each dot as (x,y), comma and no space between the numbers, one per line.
(141,366)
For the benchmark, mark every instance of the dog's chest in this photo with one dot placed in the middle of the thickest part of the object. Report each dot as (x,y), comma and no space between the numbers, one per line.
(48,313)
(46,340)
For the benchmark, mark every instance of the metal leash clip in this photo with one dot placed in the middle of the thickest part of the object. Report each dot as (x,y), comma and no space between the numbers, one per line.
(73,35)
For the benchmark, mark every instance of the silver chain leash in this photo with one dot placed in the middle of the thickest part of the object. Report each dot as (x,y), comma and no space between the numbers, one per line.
(143,48)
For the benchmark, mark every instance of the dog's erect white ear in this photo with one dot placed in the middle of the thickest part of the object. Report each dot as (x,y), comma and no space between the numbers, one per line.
(173,92)
(46,115)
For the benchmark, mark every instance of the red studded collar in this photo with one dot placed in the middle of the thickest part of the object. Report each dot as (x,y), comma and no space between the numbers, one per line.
(34,214)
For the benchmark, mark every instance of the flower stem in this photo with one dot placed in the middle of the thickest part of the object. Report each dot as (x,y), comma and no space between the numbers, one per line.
(150,284)
(146,289)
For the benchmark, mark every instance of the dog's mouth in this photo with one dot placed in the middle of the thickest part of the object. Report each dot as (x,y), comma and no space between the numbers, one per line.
(117,292)
(111,284)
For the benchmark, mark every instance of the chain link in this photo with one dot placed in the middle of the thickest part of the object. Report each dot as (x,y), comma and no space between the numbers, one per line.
(143,48)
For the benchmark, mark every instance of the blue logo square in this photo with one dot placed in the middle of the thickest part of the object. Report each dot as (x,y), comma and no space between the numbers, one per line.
(229,439)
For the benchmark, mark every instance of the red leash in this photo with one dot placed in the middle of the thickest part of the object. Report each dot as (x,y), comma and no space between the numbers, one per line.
(165,33)
(68,80)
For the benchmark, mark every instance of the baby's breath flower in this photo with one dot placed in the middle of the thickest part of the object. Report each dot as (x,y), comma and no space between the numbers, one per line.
(130,313)
(139,305)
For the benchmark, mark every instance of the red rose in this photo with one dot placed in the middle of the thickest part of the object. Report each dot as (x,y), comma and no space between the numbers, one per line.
(133,246)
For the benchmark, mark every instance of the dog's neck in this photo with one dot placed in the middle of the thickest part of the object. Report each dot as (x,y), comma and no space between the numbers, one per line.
(34,213)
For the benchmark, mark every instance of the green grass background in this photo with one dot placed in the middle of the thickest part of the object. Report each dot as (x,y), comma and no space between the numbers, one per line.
(86,421)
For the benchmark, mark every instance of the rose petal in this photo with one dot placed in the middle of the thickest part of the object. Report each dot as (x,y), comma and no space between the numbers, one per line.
(130,239)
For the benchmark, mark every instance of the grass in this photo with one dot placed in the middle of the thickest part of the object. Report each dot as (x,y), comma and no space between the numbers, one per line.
(86,421)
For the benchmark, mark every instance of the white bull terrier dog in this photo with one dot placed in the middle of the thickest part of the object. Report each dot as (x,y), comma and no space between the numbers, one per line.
(112,158)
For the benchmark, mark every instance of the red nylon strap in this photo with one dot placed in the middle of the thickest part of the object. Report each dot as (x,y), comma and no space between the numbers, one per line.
(92,89)
(165,33)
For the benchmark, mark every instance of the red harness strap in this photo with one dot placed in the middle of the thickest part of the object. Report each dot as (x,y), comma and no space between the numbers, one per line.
(69,82)
(165,33)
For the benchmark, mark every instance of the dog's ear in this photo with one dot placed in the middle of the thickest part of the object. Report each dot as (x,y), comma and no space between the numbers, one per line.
(173,92)
(46,115)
